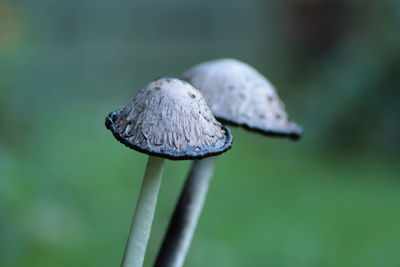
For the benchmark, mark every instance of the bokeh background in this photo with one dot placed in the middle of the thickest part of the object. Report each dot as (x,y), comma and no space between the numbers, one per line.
(68,189)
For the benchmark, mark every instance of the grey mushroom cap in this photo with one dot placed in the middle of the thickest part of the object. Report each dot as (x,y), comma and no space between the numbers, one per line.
(241,96)
(170,119)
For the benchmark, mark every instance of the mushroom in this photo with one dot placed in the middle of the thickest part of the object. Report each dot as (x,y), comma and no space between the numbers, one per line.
(240,96)
(168,119)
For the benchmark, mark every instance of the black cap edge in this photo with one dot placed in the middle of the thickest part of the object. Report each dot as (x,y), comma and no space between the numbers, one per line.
(295,134)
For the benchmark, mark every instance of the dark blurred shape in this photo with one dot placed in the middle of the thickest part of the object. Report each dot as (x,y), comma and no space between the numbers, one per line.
(317,26)
(10,25)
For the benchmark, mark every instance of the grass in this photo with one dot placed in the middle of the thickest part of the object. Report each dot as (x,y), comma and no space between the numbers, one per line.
(67,197)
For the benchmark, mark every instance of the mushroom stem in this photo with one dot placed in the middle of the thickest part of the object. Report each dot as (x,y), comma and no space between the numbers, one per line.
(142,220)
(186,215)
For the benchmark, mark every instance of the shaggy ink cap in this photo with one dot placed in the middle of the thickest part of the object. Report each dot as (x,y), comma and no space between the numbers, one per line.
(241,96)
(170,119)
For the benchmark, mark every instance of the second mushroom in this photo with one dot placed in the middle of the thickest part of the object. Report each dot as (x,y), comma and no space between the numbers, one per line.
(238,95)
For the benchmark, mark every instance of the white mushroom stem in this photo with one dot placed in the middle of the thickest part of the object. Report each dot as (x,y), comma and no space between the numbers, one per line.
(186,215)
(143,218)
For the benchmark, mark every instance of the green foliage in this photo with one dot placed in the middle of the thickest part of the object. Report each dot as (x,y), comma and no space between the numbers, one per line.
(68,189)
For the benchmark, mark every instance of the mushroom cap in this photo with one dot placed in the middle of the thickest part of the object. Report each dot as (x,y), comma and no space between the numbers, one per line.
(240,95)
(170,119)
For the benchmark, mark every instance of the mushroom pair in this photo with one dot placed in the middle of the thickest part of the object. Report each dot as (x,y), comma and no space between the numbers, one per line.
(168,119)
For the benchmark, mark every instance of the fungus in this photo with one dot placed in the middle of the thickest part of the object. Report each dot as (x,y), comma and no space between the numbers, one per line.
(165,122)
(240,96)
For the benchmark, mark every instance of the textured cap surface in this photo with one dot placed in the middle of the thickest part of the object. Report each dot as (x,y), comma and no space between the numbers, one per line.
(170,119)
(240,95)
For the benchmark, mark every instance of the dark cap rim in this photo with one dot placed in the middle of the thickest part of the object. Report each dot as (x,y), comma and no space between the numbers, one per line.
(189,154)
(294,134)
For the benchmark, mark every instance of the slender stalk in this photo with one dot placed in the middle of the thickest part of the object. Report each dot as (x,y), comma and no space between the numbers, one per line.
(142,220)
(186,215)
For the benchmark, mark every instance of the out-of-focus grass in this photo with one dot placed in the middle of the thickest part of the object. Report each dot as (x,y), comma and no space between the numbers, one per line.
(68,191)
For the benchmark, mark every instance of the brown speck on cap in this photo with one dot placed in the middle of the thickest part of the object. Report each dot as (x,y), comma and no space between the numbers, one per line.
(168,123)
(240,95)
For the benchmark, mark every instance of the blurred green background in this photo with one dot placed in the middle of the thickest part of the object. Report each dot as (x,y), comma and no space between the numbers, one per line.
(68,189)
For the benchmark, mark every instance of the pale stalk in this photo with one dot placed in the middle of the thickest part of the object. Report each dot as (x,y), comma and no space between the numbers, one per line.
(144,213)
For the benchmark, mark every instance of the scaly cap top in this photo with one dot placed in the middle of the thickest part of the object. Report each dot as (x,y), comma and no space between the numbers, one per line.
(170,119)
(240,95)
